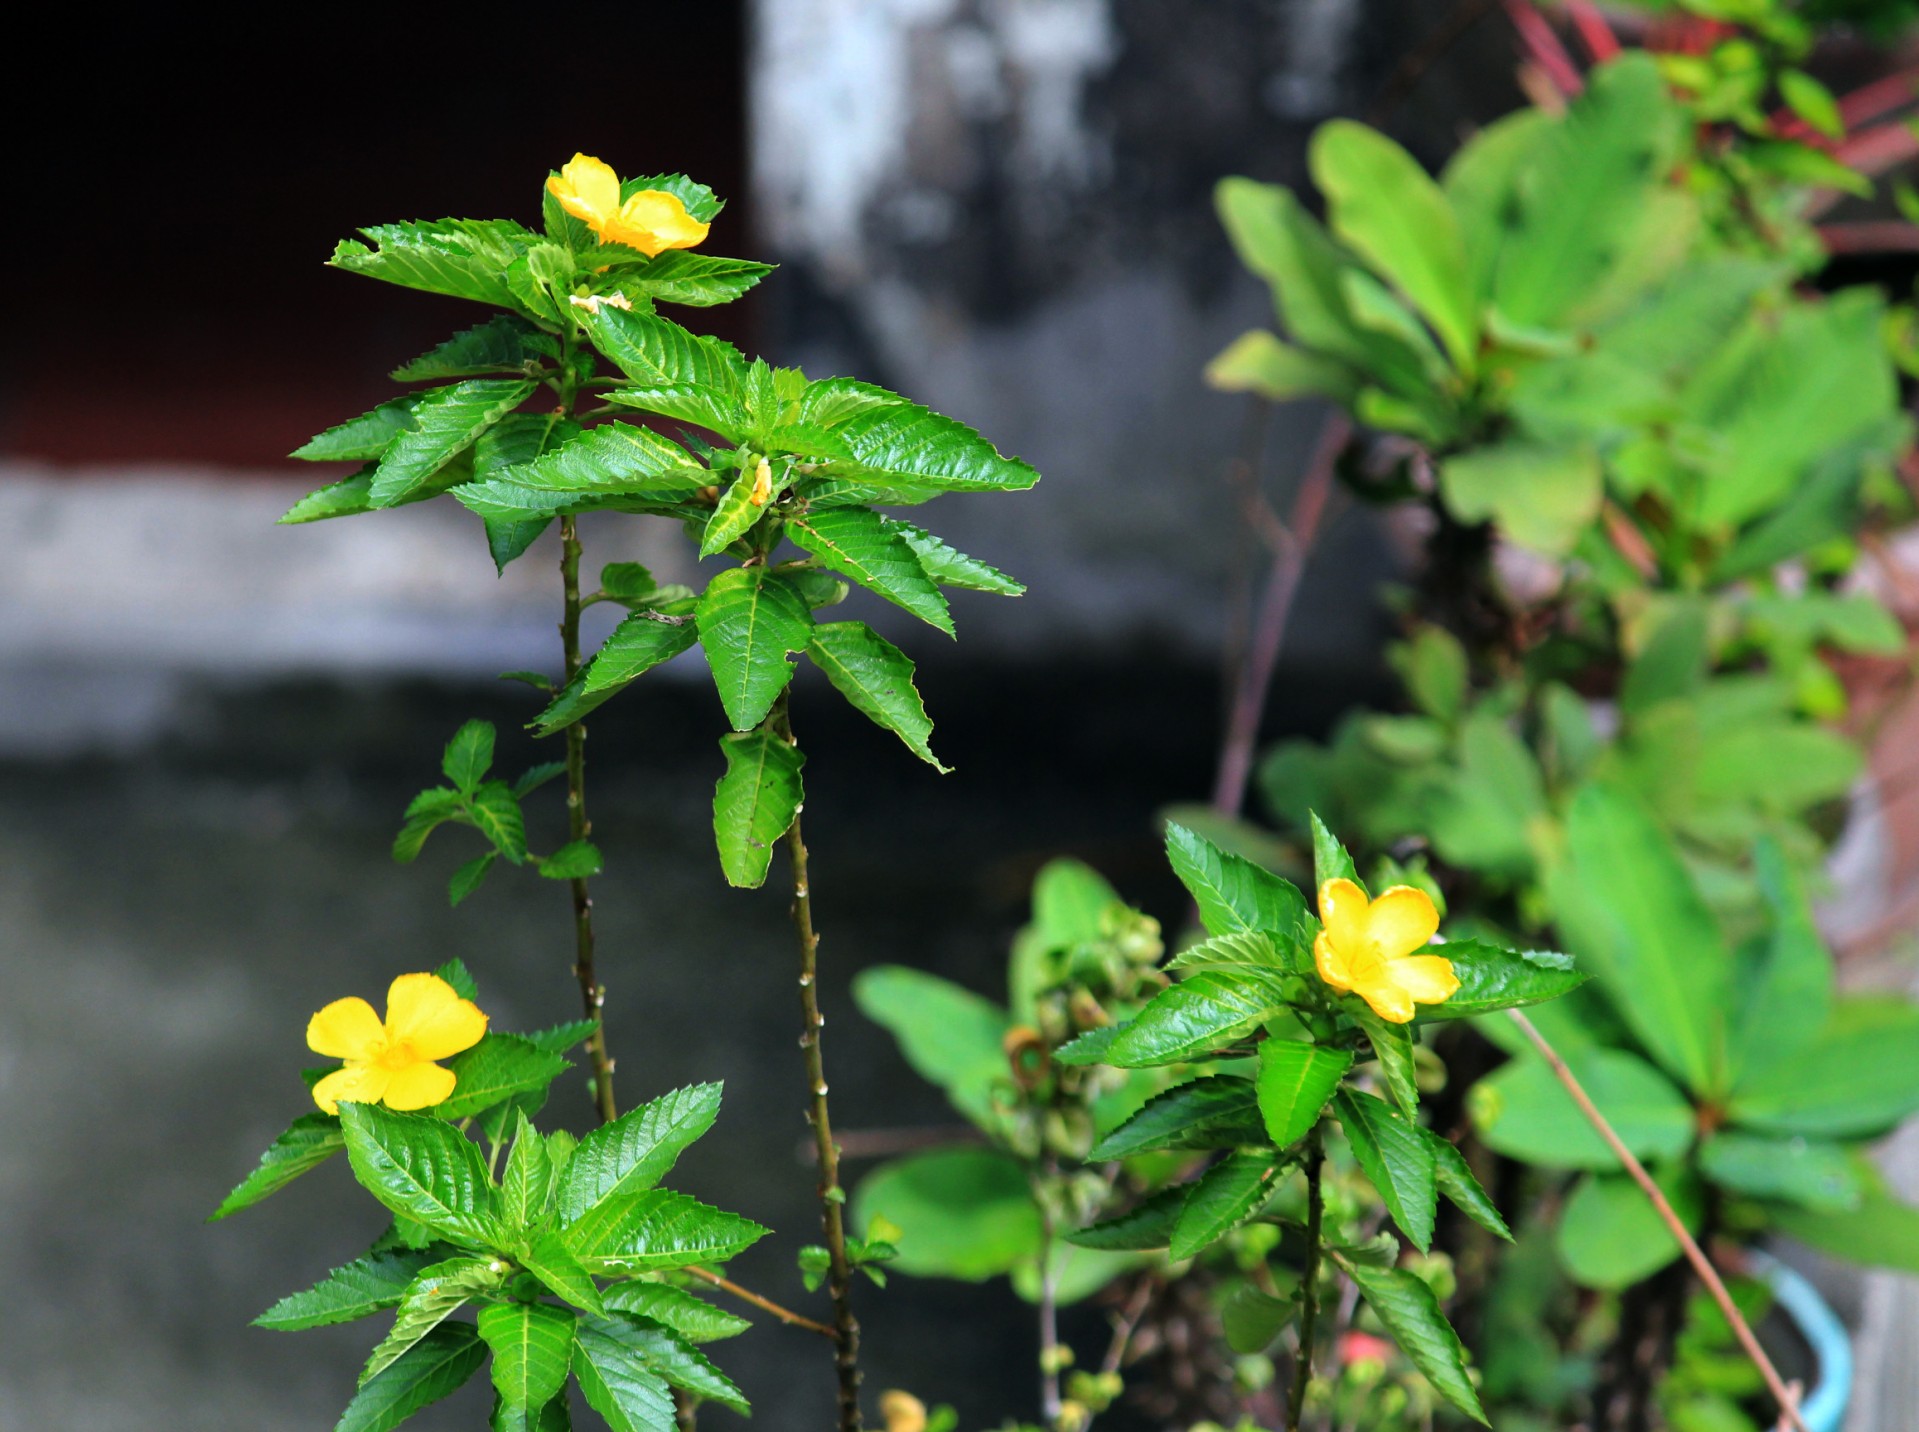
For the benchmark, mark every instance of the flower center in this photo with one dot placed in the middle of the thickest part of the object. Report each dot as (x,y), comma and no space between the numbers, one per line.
(398,1054)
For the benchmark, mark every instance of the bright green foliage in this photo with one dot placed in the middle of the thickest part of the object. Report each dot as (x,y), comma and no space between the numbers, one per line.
(1406,1305)
(755,802)
(750,621)
(1295,1083)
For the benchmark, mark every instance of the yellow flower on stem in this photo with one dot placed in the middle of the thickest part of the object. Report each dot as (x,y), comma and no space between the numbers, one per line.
(391,1061)
(1367,948)
(651,221)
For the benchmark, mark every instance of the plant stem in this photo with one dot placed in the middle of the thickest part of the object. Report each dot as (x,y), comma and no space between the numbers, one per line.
(764,1304)
(1049,1394)
(1309,1282)
(1788,1402)
(592,993)
(839,1278)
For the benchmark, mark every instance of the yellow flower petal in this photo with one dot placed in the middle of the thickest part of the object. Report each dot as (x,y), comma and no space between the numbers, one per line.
(360,1083)
(1427,978)
(346,1029)
(653,221)
(427,1014)
(587,189)
(1342,910)
(1389,999)
(419,1086)
(1400,921)
(1330,963)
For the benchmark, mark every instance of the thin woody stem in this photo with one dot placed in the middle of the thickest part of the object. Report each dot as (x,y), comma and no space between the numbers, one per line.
(839,1278)
(1309,1283)
(1788,1400)
(764,1304)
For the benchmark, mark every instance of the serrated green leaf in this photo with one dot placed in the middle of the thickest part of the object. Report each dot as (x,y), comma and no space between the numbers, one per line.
(432,1368)
(1091,1047)
(353,1290)
(464,881)
(614,459)
(692,1318)
(893,441)
(1251,1319)
(717,409)
(1330,860)
(742,504)
(348,497)
(1392,1047)
(1148,1226)
(1492,978)
(576,860)
(1244,951)
(754,802)
(1225,1196)
(361,439)
(750,620)
(464,258)
(876,678)
(425,813)
(616,1386)
(857,542)
(532,1345)
(455,973)
(469,756)
(495,812)
(1457,1181)
(1294,1084)
(639,643)
(681,276)
(1213,1113)
(498,1067)
(656,352)
(561,1037)
(1200,1014)
(634,1152)
(664,1352)
(1233,894)
(1396,1158)
(1406,1305)
(654,1230)
(503,344)
(434,1296)
(951,568)
(308,1142)
(527,1178)
(445,421)
(423,1168)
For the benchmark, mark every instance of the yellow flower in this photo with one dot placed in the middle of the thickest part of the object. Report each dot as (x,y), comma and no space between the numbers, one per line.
(391,1062)
(1367,947)
(652,221)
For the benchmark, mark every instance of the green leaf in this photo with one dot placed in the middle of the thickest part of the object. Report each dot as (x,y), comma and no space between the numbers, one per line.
(1860,1076)
(949,1035)
(635,1151)
(1245,951)
(876,678)
(1610,1235)
(348,497)
(1629,910)
(1789,996)
(616,459)
(750,619)
(1233,894)
(1817,1176)
(616,1386)
(433,1297)
(553,1263)
(1881,1232)
(963,1212)
(1525,1113)
(1492,978)
(576,860)
(639,643)
(1540,497)
(714,408)
(495,811)
(1200,1014)
(1406,1305)
(654,1230)
(698,199)
(1295,1082)
(445,422)
(1393,1153)
(951,568)
(455,973)
(737,511)
(527,1179)
(1218,1113)
(432,1368)
(1148,1226)
(1392,1047)
(858,543)
(1225,1196)
(532,1346)
(464,881)
(754,802)
(890,440)
(681,276)
(425,813)
(1330,860)
(497,1068)
(353,1290)
(662,1351)
(1257,362)
(464,258)
(423,1168)
(561,1037)
(692,1318)
(1252,1319)
(469,756)
(656,352)
(1392,213)
(1457,1181)
(503,344)
(308,1142)
(360,439)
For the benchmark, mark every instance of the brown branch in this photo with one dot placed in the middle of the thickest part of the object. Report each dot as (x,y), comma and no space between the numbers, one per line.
(1787,1399)
(765,1305)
